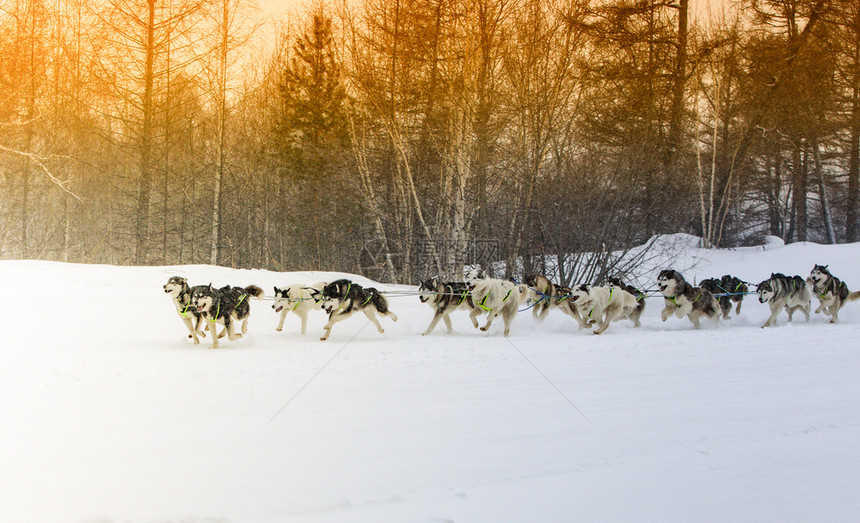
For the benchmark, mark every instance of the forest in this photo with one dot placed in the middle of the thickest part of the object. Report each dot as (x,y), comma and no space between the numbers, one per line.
(405,138)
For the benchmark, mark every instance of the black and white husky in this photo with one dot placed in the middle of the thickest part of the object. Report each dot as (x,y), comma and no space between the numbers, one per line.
(602,305)
(780,292)
(683,299)
(226,306)
(730,289)
(496,298)
(343,298)
(178,289)
(832,292)
(298,299)
(636,313)
(444,298)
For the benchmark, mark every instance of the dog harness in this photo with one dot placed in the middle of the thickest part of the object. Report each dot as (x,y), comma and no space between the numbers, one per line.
(218,310)
(369,297)
(488,295)
(610,299)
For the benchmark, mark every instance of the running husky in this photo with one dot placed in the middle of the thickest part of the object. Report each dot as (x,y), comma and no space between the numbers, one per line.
(730,289)
(832,292)
(444,298)
(683,299)
(299,299)
(602,305)
(342,298)
(635,314)
(546,294)
(178,289)
(784,292)
(496,297)
(226,306)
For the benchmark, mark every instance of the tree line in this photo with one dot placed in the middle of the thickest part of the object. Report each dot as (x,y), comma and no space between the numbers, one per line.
(403,138)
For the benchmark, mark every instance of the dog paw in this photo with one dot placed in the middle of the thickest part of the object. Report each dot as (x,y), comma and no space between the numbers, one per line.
(279,329)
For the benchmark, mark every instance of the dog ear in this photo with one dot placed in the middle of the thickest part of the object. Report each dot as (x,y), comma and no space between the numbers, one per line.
(277,290)
(210,285)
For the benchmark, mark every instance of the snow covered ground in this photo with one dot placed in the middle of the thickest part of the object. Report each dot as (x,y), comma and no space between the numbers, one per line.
(110,414)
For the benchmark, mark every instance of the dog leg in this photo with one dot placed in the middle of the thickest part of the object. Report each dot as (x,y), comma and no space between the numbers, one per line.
(245,326)
(508,318)
(448,325)
(436,317)
(371,315)
(200,326)
(303,315)
(474,317)
(834,313)
(694,317)
(210,325)
(774,312)
(280,326)
(684,310)
(192,329)
(490,317)
(667,311)
(231,329)
(601,327)
(334,318)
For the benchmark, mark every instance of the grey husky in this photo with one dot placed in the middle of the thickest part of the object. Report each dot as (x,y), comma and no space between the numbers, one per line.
(832,292)
(444,298)
(178,289)
(226,306)
(780,292)
(343,298)
(683,299)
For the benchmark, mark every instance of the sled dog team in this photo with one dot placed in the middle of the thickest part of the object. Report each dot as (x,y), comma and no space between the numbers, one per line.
(590,305)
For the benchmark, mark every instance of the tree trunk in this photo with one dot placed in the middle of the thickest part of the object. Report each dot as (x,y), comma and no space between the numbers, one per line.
(145,186)
(852,234)
(800,186)
(822,190)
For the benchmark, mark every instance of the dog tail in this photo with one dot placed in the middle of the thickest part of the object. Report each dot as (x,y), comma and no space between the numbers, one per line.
(378,300)
(255,291)
(854,296)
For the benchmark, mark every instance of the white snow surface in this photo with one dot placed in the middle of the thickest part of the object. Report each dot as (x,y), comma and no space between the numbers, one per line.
(110,414)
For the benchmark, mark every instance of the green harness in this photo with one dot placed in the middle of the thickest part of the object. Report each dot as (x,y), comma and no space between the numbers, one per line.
(218,310)
(488,295)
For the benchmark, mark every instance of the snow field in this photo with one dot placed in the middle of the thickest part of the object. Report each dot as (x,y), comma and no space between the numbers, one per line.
(111,414)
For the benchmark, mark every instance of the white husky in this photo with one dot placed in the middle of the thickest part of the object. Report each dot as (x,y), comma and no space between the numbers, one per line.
(496,297)
(299,299)
(602,305)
